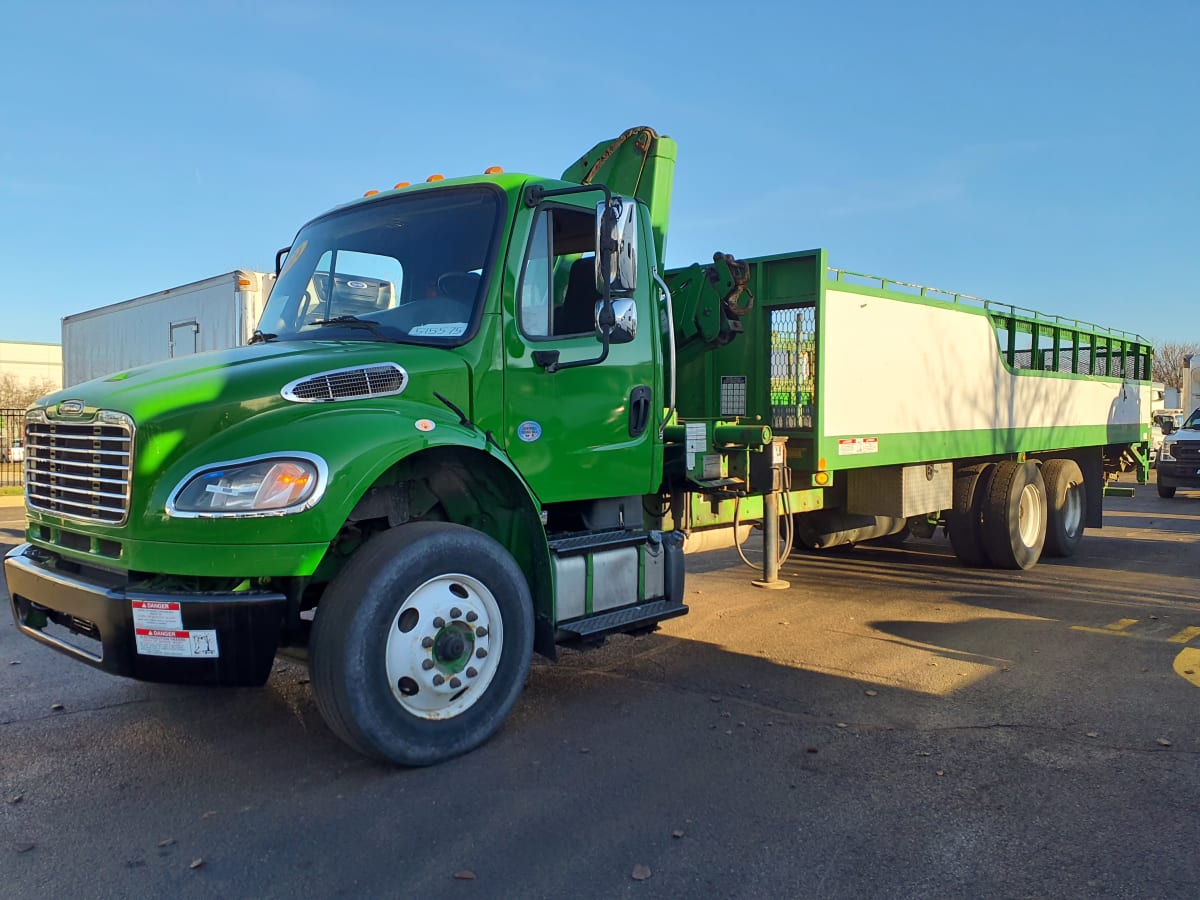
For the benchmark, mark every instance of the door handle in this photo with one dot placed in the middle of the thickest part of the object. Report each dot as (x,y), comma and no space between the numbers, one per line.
(639,409)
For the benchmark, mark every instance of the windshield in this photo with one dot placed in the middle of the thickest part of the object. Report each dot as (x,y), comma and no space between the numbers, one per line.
(1193,421)
(411,269)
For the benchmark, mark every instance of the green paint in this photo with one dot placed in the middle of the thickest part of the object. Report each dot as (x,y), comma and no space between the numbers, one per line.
(902,449)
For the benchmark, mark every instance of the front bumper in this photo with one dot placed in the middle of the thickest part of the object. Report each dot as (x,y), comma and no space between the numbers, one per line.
(227,639)
(1179,474)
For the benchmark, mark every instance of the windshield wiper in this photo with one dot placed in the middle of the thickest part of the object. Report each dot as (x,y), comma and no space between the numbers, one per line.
(262,337)
(354,322)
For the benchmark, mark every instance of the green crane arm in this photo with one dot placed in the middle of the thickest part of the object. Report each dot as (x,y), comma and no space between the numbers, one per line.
(640,163)
(709,300)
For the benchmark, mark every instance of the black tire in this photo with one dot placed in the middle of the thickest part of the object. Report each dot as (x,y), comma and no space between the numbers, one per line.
(1165,492)
(422,569)
(964,521)
(1014,516)
(1066,506)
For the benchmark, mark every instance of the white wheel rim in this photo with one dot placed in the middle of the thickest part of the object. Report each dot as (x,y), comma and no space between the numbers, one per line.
(1072,514)
(1030,515)
(443,646)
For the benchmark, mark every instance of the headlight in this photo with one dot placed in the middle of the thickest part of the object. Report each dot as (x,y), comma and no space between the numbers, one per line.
(1165,453)
(263,486)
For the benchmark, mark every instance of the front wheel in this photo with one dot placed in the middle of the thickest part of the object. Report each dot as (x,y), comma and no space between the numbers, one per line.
(421,645)
(1165,492)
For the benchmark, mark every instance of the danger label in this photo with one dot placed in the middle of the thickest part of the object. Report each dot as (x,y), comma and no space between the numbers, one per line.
(174,642)
(854,446)
(163,615)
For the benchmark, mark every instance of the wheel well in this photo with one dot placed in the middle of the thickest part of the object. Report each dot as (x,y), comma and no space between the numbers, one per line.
(454,484)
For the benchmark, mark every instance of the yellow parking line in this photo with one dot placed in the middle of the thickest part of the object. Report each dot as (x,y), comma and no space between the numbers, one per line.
(1187,665)
(1120,628)
(1121,625)
(1186,635)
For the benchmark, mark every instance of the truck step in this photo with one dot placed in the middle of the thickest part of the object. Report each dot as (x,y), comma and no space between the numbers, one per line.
(569,544)
(629,618)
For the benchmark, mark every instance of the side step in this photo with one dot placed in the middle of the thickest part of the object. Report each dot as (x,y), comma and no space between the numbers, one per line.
(586,542)
(629,618)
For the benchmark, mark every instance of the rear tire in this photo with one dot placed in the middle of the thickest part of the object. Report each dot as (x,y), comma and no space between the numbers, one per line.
(422,643)
(963,522)
(1014,516)
(1166,492)
(1066,506)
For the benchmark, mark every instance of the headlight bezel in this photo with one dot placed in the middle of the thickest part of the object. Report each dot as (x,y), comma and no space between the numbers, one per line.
(319,469)
(1164,452)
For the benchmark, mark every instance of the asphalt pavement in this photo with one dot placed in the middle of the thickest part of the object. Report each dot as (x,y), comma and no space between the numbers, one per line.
(891,725)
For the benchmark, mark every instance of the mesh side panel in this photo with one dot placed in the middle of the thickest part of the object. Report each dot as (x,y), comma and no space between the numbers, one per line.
(793,367)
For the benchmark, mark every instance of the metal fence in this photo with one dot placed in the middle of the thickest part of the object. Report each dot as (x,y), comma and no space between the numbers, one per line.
(12,446)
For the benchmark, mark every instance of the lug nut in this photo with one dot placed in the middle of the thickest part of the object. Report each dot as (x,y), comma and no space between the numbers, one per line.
(471,672)
(481,631)
(427,664)
(472,616)
(427,642)
(454,682)
(481,653)
(438,680)
(455,612)
(439,622)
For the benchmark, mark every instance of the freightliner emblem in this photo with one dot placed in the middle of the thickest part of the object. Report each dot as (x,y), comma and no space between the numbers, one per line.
(70,408)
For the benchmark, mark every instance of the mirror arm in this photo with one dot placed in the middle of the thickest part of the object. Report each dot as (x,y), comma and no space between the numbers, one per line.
(548,359)
(535,193)
(279,255)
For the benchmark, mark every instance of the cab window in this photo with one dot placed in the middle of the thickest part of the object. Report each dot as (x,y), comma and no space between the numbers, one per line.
(558,282)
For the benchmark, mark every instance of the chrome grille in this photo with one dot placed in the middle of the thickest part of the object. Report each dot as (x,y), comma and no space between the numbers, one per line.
(347,384)
(80,470)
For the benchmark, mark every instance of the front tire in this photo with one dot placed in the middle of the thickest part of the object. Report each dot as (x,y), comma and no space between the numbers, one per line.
(1165,492)
(421,645)
(1014,516)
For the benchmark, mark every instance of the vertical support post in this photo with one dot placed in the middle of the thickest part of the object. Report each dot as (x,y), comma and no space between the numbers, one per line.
(771,579)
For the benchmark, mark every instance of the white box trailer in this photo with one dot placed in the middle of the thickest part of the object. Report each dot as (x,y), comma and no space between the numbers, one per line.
(213,314)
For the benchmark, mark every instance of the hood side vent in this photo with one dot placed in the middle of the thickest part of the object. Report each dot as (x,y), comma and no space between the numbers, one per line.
(357,383)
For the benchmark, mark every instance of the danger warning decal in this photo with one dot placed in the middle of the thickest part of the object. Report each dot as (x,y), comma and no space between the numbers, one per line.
(158,631)
(855,446)
(162,642)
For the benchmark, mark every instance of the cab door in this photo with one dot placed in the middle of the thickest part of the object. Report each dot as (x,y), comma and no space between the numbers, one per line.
(591,431)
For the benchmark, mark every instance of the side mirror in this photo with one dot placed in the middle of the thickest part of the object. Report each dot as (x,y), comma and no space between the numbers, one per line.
(624,328)
(616,246)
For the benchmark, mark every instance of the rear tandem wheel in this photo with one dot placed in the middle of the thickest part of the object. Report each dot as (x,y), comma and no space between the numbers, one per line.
(1014,516)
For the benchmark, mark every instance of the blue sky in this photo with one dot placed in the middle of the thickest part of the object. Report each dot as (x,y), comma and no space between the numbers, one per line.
(1043,154)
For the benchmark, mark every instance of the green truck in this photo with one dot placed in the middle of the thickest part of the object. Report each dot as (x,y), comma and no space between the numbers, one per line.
(478,421)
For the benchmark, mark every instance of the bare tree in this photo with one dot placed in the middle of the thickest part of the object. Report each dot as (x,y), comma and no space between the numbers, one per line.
(1168,361)
(16,393)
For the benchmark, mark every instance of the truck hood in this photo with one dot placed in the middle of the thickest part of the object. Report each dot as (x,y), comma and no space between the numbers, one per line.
(244,381)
